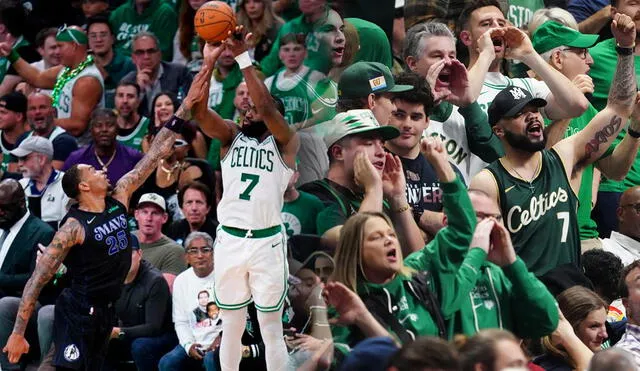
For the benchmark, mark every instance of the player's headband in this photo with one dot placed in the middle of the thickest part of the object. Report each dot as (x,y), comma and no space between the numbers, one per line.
(66,34)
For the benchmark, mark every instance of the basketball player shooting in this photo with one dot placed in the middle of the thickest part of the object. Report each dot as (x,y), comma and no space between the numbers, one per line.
(96,243)
(250,251)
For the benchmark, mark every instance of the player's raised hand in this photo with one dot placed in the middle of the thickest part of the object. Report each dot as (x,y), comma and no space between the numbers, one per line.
(199,88)
(238,40)
(211,52)
(16,346)
(624,30)
(517,44)
(365,174)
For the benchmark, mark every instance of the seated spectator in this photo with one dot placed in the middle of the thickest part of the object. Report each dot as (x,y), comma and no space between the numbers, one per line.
(42,183)
(629,284)
(160,251)
(572,348)
(187,45)
(259,18)
(323,265)
(624,242)
(112,63)
(144,329)
(197,338)
(13,123)
(21,233)
(136,16)
(369,262)
(41,117)
(163,107)
(613,359)
(13,27)
(374,354)
(506,295)
(49,50)
(132,127)
(293,83)
(105,153)
(152,74)
(300,209)
(492,350)
(195,201)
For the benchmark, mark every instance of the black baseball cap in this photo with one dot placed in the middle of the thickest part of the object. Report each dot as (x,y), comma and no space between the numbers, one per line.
(510,101)
(14,101)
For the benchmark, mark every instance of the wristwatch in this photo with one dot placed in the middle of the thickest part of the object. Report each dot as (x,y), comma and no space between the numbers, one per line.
(121,335)
(625,50)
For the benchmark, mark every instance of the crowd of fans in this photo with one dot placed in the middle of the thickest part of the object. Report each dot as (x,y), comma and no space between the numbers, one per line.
(466,196)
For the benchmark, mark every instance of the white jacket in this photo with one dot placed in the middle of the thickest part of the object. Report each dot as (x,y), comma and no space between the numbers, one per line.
(53,203)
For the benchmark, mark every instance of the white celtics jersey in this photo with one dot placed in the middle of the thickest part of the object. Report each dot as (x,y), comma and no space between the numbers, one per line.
(454,137)
(65,99)
(495,82)
(254,178)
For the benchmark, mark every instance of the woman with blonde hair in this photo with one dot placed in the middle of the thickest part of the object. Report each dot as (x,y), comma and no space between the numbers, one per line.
(581,331)
(258,17)
(401,293)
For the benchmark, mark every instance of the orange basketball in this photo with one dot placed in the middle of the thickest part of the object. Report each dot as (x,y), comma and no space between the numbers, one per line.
(214,20)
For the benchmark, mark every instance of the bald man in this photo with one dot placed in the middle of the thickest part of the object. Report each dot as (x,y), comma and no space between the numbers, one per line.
(41,116)
(612,359)
(625,243)
(78,85)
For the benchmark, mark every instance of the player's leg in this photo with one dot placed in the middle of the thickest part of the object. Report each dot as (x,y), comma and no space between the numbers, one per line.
(233,326)
(272,336)
(268,273)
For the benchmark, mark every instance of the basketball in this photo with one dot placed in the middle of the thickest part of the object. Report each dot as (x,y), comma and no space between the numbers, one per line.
(214,20)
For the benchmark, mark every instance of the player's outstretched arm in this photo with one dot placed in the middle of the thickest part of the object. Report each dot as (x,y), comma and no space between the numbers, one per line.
(70,234)
(209,121)
(40,79)
(275,122)
(590,143)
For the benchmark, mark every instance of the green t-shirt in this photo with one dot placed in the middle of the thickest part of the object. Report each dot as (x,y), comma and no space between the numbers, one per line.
(299,216)
(588,227)
(521,11)
(374,44)
(602,74)
(134,139)
(159,18)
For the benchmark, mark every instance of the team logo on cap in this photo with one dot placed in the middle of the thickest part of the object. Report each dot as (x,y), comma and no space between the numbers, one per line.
(517,93)
(71,353)
(377,83)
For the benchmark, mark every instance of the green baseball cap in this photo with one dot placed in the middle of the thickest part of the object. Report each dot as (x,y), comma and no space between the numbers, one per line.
(363,78)
(357,121)
(552,34)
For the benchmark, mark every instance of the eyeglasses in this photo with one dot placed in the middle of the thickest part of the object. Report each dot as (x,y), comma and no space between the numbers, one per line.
(580,52)
(141,52)
(202,250)
(635,206)
(482,216)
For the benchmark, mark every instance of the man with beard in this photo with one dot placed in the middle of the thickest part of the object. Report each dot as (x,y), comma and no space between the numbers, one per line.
(250,251)
(20,234)
(95,245)
(132,127)
(536,188)
(104,152)
(41,117)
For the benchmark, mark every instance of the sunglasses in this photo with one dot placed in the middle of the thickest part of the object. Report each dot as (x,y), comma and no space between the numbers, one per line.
(180,143)
(141,52)
(64,28)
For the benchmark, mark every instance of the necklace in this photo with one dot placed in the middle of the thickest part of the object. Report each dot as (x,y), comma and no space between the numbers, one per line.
(66,75)
(530,181)
(102,164)
(169,171)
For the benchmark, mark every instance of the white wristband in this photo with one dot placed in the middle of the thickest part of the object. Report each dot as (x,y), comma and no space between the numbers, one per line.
(244,60)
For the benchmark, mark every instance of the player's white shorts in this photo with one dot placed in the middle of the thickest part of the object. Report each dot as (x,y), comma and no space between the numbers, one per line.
(250,268)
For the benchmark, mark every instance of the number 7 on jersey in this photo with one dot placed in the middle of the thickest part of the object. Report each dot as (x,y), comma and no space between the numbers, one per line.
(253,182)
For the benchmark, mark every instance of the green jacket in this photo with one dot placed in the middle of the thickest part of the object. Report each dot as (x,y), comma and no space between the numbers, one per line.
(159,18)
(509,298)
(450,281)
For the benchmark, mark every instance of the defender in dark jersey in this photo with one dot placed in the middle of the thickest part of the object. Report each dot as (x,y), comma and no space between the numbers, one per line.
(95,244)
(537,188)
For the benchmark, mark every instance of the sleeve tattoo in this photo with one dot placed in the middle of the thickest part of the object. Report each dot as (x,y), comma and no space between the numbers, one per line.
(69,234)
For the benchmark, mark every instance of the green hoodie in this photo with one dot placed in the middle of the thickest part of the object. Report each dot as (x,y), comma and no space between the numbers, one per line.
(159,18)
(508,298)
(450,282)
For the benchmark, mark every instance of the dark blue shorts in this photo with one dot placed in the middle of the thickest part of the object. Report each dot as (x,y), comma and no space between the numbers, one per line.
(81,332)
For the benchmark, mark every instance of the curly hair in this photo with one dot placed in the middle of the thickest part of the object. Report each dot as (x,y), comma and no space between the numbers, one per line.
(603,269)
(420,94)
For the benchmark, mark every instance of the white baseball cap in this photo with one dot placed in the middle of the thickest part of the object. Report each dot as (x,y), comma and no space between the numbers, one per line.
(357,121)
(153,198)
